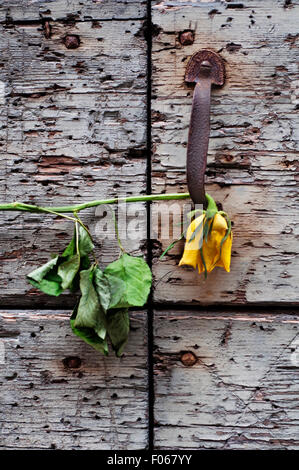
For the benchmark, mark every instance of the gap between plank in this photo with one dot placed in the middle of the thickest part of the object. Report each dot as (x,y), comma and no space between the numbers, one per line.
(150,310)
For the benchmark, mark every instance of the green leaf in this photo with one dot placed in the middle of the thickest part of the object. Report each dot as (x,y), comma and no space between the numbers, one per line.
(84,264)
(117,292)
(205,231)
(226,235)
(46,279)
(89,335)
(85,242)
(130,281)
(48,287)
(53,276)
(172,245)
(102,288)
(68,270)
(118,329)
(203,262)
(210,229)
(90,313)
(39,273)
(70,249)
(212,206)
(62,272)
(194,212)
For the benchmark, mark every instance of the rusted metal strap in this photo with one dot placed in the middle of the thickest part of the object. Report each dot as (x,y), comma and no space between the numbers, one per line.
(204,68)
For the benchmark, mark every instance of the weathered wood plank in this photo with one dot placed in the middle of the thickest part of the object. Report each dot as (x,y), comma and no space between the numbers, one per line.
(57,392)
(72,10)
(242,390)
(73,128)
(253,152)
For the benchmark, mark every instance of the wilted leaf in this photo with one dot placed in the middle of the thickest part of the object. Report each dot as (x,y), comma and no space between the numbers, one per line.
(130,280)
(84,264)
(118,325)
(46,279)
(70,249)
(90,313)
(89,335)
(48,287)
(62,272)
(85,242)
(68,270)
(39,273)
(102,288)
(75,261)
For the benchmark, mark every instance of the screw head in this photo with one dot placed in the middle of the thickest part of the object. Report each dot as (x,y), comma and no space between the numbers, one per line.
(206,64)
(71,41)
(188,359)
(186,38)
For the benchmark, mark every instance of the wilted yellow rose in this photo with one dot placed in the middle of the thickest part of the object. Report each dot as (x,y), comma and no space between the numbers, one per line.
(208,242)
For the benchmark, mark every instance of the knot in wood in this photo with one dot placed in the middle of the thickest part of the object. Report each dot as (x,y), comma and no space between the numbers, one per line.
(72,41)
(188,359)
(72,362)
(186,38)
(47,30)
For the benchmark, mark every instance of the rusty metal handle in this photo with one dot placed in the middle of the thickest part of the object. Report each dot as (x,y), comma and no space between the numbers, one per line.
(204,68)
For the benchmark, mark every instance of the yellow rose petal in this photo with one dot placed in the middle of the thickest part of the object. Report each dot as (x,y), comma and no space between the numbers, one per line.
(190,255)
(214,252)
(226,252)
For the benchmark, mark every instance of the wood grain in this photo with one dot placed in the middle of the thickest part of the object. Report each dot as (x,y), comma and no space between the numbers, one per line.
(58,393)
(72,129)
(242,391)
(252,161)
(72,10)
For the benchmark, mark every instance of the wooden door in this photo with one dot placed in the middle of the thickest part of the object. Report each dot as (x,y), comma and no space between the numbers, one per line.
(209,364)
